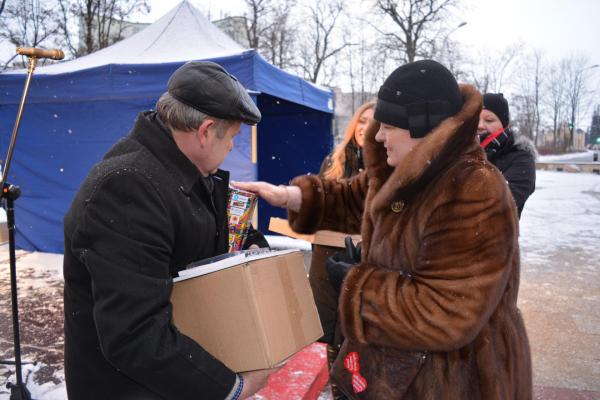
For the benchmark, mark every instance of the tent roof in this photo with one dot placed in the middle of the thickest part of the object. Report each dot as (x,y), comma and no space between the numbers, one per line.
(180,35)
(141,64)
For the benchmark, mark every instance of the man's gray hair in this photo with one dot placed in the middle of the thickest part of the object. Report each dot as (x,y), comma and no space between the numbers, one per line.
(180,116)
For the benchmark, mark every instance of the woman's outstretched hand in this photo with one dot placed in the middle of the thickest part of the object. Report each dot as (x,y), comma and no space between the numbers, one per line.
(274,195)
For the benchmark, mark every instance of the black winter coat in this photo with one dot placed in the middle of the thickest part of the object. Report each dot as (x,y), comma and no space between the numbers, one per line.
(326,297)
(516,160)
(141,215)
(354,160)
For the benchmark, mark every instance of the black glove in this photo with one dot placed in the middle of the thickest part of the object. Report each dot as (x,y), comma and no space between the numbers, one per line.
(354,252)
(340,263)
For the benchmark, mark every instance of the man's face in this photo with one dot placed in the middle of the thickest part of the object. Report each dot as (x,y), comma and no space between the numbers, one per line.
(397,142)
(219,147)
(488,122)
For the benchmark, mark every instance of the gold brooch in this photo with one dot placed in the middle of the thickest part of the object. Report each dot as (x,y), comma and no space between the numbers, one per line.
(397,206)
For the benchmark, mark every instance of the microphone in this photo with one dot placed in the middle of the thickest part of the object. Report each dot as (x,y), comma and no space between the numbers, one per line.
(54,54)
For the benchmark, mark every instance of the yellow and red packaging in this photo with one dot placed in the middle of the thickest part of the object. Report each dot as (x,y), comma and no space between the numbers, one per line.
(240,208)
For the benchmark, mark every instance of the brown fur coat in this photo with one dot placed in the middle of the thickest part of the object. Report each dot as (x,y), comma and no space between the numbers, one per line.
(431,311)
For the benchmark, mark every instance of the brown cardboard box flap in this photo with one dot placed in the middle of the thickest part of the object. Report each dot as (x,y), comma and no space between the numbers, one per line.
(250,316)
(326,238)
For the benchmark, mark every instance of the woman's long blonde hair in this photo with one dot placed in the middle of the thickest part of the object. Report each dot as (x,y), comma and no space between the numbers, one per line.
(338,158)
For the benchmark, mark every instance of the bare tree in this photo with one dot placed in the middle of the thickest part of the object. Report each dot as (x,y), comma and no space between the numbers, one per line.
(365,65)
(450,54)
(101,22)
(527,102)
(539,71)
(2,4)
(278,43)
(556,98)
(28,23)
(418,22)
(320,43)
(268,30)
(576,90)
(257,21)
(523,110)
(489,74)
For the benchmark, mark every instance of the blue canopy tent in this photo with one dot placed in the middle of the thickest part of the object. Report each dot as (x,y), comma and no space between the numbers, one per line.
(76,110)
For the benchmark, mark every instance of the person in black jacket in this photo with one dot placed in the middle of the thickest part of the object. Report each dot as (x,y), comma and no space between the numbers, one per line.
(514,157)
(155,203)
(344,162)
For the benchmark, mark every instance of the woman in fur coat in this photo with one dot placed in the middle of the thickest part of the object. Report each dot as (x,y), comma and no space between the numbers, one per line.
(430,311)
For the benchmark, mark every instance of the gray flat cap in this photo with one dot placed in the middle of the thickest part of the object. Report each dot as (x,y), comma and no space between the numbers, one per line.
(210,89)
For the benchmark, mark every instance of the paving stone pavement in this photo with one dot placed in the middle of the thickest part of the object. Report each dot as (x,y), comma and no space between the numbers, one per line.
(560,301)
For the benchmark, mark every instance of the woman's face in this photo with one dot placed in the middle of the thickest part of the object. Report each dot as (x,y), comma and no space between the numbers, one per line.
(397,142)
(488,122)
(361,126)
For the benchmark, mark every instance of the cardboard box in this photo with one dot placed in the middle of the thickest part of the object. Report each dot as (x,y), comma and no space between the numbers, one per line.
(326,238)
(250,316)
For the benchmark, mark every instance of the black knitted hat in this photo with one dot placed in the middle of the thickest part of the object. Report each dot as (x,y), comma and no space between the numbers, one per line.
(418,96)
(496,103)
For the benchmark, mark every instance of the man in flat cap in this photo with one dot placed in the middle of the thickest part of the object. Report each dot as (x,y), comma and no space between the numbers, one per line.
(155,203)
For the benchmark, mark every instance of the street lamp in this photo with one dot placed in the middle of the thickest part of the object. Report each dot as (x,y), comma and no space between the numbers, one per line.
(453,30)
(445,49)
(445,41)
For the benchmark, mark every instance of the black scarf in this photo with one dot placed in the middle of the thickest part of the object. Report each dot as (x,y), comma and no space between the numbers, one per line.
(497,146)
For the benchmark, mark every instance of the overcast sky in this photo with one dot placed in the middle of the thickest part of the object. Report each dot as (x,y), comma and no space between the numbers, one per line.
(559,27)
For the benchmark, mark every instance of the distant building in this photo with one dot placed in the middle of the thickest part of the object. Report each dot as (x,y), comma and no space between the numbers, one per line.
(548,142)
(235,27)
(345,106)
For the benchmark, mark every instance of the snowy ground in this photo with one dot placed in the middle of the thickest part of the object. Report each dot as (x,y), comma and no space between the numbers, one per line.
(559,297)
(560,279)
(583,156)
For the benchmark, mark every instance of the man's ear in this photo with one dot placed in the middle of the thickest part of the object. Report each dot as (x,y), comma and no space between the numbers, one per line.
(202,133)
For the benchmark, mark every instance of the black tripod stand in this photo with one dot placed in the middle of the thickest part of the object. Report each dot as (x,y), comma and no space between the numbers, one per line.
(10,193)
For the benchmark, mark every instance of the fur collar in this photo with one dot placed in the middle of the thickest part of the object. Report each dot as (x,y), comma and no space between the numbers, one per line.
(454,136)
(525,144)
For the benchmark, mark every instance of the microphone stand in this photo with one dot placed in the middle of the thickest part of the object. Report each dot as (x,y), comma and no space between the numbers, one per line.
(10,193)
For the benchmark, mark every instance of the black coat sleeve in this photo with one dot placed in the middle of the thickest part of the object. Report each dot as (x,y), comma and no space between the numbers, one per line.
(125,239)
(520,175)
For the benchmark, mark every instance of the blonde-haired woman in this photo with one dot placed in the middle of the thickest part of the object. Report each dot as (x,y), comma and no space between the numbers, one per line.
(346,159)
(344,162)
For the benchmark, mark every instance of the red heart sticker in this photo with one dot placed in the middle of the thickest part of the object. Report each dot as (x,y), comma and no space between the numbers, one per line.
(351,362)
(359,383)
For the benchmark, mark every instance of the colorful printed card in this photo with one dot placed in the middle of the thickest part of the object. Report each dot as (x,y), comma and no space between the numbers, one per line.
(240,208)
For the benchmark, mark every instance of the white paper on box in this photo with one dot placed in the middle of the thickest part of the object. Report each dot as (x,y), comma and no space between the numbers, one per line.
(243,257)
